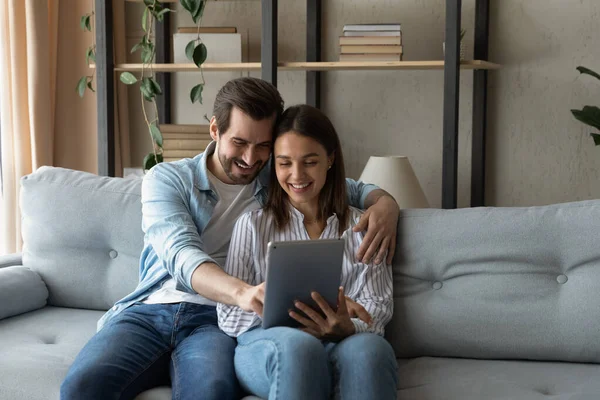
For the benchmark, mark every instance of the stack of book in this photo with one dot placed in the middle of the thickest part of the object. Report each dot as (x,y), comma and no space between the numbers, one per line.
(371,42)
(184,141)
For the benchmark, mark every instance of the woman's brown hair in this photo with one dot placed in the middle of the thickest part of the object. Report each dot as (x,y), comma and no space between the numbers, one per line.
(308,121)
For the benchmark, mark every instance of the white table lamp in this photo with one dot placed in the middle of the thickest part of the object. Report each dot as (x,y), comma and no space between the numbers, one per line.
(395,175)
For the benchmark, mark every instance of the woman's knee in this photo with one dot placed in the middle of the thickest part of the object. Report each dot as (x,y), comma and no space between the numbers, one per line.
(365,349)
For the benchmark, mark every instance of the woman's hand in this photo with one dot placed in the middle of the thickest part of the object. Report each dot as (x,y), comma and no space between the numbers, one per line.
(381,223)
(355,310)
(336,325)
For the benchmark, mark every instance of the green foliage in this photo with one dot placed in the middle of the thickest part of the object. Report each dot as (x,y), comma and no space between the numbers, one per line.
(589,115)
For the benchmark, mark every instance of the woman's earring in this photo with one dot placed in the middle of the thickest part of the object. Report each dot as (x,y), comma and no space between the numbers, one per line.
(329,166)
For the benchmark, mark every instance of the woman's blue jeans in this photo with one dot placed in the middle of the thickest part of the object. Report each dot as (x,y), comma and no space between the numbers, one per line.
(286,363)
(149,345)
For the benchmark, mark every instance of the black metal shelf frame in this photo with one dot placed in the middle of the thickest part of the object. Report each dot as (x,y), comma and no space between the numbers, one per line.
(105,82)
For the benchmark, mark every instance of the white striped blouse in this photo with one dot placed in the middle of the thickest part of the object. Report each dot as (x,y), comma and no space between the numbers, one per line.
(370,285)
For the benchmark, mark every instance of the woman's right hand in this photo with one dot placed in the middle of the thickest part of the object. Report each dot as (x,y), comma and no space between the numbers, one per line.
(252,298)
(336,325)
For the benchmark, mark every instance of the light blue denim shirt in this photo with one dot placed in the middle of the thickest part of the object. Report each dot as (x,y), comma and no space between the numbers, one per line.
(177,203)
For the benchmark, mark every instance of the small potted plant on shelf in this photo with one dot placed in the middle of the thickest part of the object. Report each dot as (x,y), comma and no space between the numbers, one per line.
(462,45)
(589,115)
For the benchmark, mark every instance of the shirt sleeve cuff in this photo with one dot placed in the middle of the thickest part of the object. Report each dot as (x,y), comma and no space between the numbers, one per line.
(366,190)
(191,258)
(360,325)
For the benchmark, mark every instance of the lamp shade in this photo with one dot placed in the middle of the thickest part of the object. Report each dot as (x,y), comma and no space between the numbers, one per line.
(395,175)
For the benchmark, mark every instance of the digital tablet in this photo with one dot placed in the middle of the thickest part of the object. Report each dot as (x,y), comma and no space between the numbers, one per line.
(294,270)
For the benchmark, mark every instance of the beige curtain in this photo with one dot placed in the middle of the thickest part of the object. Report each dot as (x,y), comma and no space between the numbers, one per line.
(28,56)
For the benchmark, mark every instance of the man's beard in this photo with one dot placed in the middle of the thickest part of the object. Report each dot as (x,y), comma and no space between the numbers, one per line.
(227,164)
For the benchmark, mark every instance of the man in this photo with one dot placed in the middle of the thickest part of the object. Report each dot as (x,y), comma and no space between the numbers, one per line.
(168,325)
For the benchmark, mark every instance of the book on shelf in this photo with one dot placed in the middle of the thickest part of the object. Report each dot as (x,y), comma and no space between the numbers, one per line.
(207,29)
(370,57)
(372,33)
(370,40)
(371,49)
(179,154)
(185,144)
(373,27)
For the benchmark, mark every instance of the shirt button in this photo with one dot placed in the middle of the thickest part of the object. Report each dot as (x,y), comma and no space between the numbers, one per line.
(562,279)
(113,254)
(437,285)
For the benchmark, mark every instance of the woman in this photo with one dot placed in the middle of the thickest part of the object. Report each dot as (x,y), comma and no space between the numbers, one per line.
(335,354)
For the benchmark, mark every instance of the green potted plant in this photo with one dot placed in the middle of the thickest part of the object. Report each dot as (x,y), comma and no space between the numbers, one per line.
(149,88)
(589,115)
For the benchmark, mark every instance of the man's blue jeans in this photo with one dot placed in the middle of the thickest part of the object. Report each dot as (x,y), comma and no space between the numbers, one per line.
(287,364)
(144,345)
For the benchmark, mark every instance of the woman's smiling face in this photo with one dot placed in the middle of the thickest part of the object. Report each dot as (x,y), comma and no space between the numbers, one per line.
(301,165)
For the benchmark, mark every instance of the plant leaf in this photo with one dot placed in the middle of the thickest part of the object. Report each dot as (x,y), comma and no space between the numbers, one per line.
(145,20)
(146,89)
(82,23)
(156,134)
(88,24)
(189,50)
(136,47)
(155,86)
(81,85)
(589,115)
(149,3)
(150,161)
(596,138)
(89,55)
(128,78)
(147,52)
(588,71)
(200,54)
(89,85)
(196,93)
(199,11)
(161,14)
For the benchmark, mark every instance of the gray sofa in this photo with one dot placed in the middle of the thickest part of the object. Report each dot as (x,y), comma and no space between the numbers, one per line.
(491,303)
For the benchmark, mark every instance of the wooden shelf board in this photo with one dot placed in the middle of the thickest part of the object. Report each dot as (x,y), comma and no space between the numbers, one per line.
(311,66)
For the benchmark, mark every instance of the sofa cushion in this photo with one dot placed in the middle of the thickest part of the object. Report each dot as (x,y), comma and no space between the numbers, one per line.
(37,349)
(82,233)
(446,378)
(21,290)
(498,283)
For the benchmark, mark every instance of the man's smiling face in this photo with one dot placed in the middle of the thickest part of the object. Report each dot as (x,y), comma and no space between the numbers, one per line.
(244,149)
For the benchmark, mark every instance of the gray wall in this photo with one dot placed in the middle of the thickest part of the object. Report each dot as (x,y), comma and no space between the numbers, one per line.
(537,153)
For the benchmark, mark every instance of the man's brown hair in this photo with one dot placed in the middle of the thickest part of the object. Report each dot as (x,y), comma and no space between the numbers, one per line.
(308,121)
(255,97)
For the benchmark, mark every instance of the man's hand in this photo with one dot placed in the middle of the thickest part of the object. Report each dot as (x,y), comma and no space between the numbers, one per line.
(381,223)
(336,325)
(355,310)
(252,298)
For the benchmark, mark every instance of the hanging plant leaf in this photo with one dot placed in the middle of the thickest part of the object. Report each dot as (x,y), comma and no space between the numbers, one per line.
(155,87)
(128,78)
(89,85)
(137,47)
(80,89)
(199,11)
(196,93)
(88,24)
(200,54)
(90,55)
(145,20)
(596,138)
(149,3)
(150,160)
(189,50)
(161,14)
(156,134)
(146,89)
(589,115)
(588,71)
(147,52)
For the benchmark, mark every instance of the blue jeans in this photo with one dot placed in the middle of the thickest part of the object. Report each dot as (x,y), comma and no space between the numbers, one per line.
(286,363)
(145,345)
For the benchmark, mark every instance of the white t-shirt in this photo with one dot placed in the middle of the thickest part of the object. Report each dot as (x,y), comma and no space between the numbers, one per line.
(234,201)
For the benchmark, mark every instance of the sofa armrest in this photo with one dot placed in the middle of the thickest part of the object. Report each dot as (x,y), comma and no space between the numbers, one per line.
(10,260)
(21,289)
